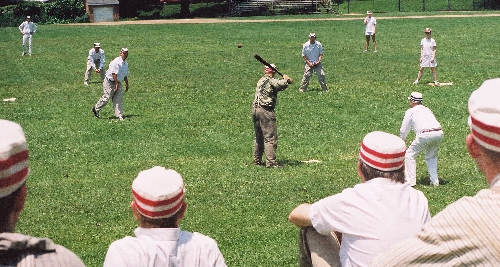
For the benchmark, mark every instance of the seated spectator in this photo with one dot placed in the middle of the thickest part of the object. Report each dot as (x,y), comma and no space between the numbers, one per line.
(18,249)
(466,232)
(158,205)
(367,218)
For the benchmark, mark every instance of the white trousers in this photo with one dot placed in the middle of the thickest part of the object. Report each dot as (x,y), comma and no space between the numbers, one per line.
(110,94)
(88,72)
(27,39)
(428,142)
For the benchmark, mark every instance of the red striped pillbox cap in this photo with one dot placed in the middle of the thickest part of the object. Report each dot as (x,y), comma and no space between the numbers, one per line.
(158,192)
(13,157)
(383,151)
(484,111)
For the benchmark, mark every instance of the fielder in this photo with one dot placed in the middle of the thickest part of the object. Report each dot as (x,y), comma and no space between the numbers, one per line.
(312,52)
(27,28)
(95,61)
(429,136)
(427,56)
(370,30)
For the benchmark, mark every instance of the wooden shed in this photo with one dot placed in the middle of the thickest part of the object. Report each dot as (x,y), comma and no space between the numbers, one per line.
(102,10)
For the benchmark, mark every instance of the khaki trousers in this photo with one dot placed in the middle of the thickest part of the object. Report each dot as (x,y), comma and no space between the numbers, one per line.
(88,72)
(308,71)
(266,135)
(317,250)
(109,93)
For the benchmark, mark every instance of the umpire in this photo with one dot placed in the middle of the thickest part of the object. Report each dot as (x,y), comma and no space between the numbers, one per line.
(264,117)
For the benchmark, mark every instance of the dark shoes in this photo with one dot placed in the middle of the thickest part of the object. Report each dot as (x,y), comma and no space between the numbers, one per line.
(96,113)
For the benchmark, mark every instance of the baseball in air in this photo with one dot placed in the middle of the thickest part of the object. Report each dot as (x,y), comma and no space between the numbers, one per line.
(239,45)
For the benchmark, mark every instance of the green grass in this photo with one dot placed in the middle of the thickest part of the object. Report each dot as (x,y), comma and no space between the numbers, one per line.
(189,107)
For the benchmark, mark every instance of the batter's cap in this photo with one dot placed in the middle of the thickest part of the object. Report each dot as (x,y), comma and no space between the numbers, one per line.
(158,192)
(267,69)
(484,111)
(13,157)
(383,151)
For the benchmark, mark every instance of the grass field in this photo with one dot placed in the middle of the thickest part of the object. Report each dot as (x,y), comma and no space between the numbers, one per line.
(189,107)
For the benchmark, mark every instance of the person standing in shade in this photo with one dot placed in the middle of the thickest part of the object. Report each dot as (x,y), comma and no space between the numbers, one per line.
(466,232)
(112,85)
(370,30)
(312,52)
(427,56)
(27,28)
(95,61)
(428,137)
(264,116)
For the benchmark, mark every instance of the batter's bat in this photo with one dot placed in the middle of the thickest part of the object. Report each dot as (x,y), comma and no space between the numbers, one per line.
(266,63)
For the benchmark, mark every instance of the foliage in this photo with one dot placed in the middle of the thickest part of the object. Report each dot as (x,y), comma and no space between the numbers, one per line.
(189,107)
(134,8)
(61,11)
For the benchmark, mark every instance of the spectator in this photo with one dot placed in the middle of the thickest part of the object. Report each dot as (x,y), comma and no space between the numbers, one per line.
(158,205)
(367,218)
(466,232)
(17,249)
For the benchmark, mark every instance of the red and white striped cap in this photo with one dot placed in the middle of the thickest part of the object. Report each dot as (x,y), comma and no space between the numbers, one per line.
(158,192)
(484,111)
(383,151)
(13,157)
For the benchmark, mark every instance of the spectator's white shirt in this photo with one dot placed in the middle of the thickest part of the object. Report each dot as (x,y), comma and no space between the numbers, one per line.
(418,118)
(119,67)
(164,247)
(312,51)
(371,216)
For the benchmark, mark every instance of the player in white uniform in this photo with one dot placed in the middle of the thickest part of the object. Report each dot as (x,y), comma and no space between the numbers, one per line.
(27,28)
(95,61)
(370,30)
(429,136)
(427,56)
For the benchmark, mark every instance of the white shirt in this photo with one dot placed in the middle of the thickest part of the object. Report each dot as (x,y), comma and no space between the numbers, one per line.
(427,46)
(27,27)
(418,118)
(119,67)
(371,216)
(164,247)
(93,56)
(370,25)
(312,51)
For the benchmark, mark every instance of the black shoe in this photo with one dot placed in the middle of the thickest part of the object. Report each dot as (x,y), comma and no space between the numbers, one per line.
(96,113)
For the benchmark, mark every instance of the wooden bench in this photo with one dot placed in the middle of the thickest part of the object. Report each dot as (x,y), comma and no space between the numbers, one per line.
(296,6)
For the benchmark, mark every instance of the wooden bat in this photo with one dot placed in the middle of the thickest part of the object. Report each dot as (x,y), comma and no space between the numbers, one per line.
(267,64)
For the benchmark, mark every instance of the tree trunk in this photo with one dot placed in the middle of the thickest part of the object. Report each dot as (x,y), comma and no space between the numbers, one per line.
(185,8)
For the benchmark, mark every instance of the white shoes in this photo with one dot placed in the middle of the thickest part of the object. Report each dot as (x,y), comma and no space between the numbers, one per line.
(436,83)
(436,183)
(86,83)
(120,118)
(415,82)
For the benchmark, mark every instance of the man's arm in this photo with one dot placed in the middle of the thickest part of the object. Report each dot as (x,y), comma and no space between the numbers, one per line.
(300,215)
(126,83)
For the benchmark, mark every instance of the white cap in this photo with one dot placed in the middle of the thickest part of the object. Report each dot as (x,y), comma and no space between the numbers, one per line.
(484,111)
(312,34)
(13,157)
(415,97)
(28,17)
(124,49)
(368,12)
(383,151)
(97,44)
(158,192)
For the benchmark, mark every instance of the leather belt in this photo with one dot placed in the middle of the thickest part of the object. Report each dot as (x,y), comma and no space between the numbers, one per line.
(431,130)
